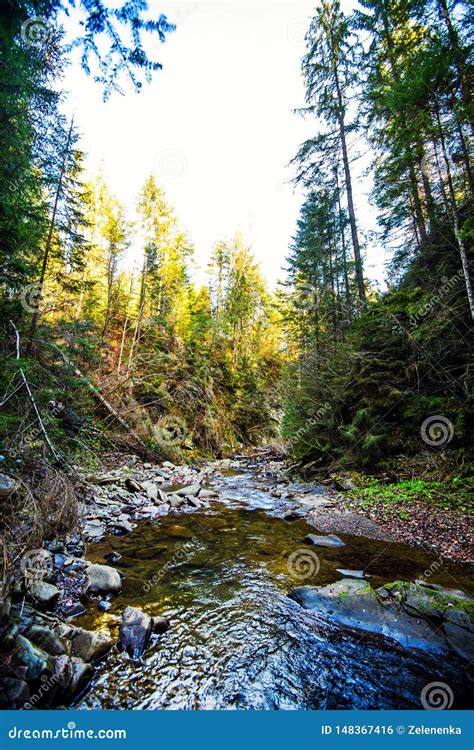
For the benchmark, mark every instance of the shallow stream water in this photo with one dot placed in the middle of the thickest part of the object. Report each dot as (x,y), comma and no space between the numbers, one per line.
(222,576)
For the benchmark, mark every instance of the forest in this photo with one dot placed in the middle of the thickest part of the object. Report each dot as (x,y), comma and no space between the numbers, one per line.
(363,388)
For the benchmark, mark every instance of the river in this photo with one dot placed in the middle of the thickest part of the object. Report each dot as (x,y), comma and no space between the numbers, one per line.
(237,641)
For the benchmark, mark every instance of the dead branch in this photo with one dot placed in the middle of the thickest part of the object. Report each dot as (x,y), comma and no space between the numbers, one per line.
(31,397)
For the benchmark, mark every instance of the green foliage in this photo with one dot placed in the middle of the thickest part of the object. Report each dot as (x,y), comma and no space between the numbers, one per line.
(360,386)
(112,41)
(396,498)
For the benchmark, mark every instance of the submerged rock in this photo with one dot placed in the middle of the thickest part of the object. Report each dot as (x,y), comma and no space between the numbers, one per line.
(112,557)
(179,532)
(324,541)
(135,631)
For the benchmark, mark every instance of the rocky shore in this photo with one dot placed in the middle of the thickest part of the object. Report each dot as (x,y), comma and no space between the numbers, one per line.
(45,661)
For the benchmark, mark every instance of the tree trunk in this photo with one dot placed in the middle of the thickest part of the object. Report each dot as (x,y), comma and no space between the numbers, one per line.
(141,310)
(350,201)
(344,253)
(454,213)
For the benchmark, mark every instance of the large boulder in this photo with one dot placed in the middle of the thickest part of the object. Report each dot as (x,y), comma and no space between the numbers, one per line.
(45,638)
(455,609)
(34,659)
(90,645)
(409,613)
(45,595)
(355,604)
(71,676)
(135,631)
(461,640)
(102,579)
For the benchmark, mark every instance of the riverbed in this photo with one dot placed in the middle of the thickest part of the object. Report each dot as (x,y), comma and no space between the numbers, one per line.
(222,575)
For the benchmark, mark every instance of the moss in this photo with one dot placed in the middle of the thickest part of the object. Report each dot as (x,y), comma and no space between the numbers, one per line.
(454,494)
(432,601)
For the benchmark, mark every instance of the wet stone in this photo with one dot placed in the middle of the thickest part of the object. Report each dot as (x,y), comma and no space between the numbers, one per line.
(329,541)
(135,631)
(346,573)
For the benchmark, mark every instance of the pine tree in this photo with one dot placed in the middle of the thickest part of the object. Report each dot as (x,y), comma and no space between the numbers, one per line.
(329,72)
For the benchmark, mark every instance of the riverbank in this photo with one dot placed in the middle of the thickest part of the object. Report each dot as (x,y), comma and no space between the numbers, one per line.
(431,515)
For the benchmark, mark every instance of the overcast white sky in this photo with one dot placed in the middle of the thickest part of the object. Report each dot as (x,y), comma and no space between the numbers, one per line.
(216,125)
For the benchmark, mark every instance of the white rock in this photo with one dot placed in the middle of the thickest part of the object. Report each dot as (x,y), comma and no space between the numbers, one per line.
(191,489)
(151,490)
(7,486)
